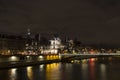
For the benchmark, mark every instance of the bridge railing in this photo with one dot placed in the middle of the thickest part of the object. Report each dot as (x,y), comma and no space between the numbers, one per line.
(114,54)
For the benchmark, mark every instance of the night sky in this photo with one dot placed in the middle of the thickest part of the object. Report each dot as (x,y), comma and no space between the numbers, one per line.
(91,21)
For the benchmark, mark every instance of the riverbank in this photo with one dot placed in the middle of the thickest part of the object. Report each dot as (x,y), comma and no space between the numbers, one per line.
(16,64)
(5,65)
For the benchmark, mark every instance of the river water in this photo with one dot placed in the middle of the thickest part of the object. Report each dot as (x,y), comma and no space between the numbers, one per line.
(90,69)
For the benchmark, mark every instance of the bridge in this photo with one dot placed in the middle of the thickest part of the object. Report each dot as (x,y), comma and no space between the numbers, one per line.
(69,57)
(88,54)
(62,57)
(9,61)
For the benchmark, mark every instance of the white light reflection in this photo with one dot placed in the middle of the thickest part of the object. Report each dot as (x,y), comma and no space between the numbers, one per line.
(103,71)
(13,74)
(13,71)
(84,68)
(84,61)
(41,67)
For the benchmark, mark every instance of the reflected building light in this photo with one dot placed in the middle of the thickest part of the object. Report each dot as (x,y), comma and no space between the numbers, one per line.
(41,67)
(48,67)
(103,71)
(13,73)
(55,65)
(53,70)
(29,72)
(51,67)
(84,60)
(68,66)
(84,68)
(92,69)
(102,68)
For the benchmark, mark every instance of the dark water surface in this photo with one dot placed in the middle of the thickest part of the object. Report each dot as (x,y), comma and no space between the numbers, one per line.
(85,70)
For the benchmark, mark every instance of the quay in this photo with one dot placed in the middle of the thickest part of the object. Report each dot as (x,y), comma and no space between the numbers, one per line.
(14,61)
(5,65)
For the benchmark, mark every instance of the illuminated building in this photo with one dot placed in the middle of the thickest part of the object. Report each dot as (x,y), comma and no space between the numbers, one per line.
(53,48)
(32,44)
(55,45)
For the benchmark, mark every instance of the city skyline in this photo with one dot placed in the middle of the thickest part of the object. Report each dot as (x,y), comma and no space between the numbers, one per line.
(89,21)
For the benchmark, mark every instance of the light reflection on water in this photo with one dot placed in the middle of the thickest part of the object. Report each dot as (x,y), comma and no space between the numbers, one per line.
(103,72)
(52,71)
(12,74)
(41,67)
(86,70)
(92,73)
(30,72)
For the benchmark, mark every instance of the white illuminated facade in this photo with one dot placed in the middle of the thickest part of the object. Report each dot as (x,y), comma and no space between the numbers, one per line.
(55,45)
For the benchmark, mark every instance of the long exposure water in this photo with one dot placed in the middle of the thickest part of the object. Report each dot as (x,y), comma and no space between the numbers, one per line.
(92,69)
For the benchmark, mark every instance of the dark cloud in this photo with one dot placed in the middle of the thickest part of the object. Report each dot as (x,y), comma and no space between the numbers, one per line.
(89,20)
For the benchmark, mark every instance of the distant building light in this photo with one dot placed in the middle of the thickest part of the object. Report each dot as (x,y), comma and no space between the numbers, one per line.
(8,51)
(28,33)
(26,44)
